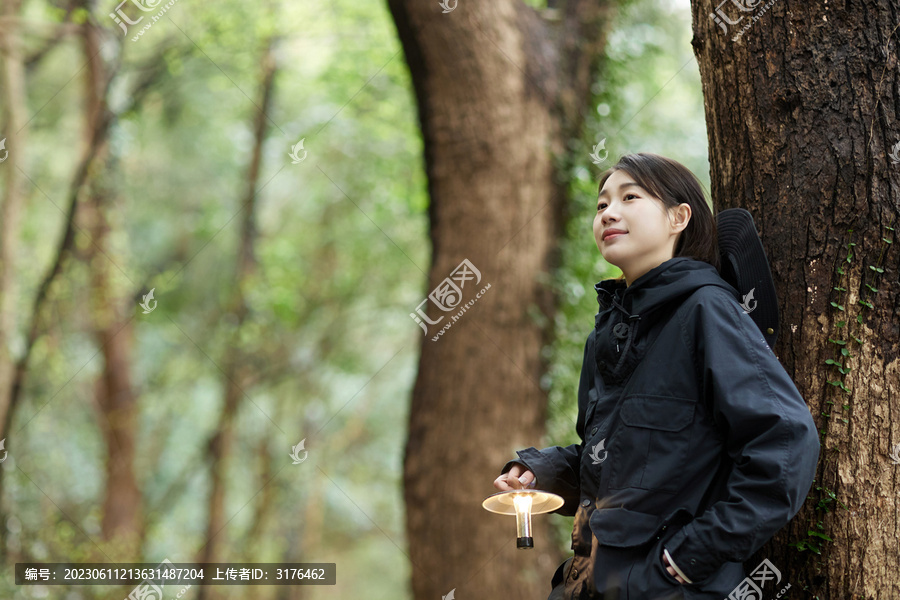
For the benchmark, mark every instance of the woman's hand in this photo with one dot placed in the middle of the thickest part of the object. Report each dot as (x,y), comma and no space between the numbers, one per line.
(516,478)
(671,571)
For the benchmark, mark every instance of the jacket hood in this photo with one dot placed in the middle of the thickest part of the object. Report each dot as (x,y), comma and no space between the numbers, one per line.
(666,282)
(627,313)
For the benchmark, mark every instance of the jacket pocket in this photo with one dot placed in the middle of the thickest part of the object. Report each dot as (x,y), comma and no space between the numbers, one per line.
(651,444)
(623,528)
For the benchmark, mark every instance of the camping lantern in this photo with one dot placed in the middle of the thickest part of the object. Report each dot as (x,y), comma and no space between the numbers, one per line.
(522,503)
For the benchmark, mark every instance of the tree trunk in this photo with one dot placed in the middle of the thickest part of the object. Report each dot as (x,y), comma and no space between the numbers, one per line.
(236,375)
(122,515)
(14,132)
(14,100)
(793,138)
(11,383)
(500,91)
(111,317)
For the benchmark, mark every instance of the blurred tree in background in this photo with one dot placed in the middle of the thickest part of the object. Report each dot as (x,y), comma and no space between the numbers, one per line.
(281,290)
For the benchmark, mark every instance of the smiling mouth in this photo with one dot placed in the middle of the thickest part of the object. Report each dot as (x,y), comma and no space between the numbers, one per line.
(613,235)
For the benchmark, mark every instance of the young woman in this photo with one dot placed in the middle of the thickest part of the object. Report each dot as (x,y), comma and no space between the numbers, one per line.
(696,446)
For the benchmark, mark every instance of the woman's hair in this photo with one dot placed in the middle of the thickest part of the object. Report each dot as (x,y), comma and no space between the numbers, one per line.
(673,183)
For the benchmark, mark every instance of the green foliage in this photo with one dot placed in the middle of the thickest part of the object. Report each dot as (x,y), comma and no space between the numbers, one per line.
(816,536)
(340,257)
(824,497)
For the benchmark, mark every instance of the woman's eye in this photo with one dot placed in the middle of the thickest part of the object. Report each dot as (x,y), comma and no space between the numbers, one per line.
(602,205)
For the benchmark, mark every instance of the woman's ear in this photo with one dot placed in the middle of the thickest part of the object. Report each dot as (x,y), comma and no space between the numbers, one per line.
(680,217)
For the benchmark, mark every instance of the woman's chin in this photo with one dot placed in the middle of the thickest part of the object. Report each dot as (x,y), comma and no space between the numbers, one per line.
(612,258)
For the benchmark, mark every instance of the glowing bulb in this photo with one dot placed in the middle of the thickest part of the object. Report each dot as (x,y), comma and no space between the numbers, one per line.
(522,503)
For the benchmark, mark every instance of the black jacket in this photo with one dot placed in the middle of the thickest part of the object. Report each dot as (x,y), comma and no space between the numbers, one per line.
(693,438)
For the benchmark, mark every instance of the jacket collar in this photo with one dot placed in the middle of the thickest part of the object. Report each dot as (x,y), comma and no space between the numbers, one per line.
(662,284)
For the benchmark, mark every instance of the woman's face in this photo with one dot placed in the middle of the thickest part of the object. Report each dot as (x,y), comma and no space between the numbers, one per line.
(649,234)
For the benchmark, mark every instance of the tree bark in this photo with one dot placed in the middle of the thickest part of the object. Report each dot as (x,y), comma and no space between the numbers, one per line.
(500,91)
(799,132)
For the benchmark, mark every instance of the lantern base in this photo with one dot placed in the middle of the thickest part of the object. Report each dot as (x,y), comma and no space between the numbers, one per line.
(525,542)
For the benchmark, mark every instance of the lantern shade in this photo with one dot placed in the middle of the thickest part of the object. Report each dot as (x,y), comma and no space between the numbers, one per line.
(502,503)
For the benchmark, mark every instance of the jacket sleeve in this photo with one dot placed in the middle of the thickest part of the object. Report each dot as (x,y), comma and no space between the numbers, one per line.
(768,434)
(556,469)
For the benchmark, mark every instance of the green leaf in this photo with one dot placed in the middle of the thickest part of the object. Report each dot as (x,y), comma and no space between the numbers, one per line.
(819,535)
(840,289)
(886,241)
(843,370)
(866,303)
(832,362)
(858,341)
(841,342)
(845,352)
(859,318)
(872,288)
(840,324)
(840,270)
(837,306)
